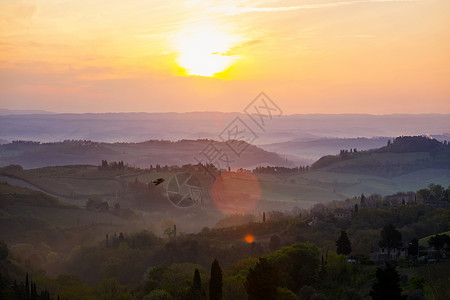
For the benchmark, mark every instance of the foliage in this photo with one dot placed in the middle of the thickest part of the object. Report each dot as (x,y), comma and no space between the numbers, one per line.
(438,241)
(343,244)
(215,283)
(262,281)
(387,284)
(285,294)
(4,251)
(195,291)
(297,265)
(176,279)
(275,242)
(390,238)
(158,295)
(413,248)
(417,282)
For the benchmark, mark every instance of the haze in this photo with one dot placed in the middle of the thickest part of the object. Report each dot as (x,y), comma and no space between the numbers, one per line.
(361,56)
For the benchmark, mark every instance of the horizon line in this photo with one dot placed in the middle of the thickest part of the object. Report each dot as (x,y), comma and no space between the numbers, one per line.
(17,112)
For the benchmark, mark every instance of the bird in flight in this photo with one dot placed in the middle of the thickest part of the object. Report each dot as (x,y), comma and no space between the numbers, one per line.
(158,181)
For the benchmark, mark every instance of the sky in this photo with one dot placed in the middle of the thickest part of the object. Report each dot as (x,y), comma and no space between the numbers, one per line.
(308,56)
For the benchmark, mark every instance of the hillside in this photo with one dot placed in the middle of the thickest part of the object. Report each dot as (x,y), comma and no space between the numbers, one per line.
(310,149)
(36,155)
(404,155)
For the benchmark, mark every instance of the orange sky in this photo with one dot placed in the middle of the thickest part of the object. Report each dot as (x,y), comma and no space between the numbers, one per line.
(316,56)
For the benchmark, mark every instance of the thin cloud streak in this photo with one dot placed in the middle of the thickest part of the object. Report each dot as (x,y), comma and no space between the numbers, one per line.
(242,10)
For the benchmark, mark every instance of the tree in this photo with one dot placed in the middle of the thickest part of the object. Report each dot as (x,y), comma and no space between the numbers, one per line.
(413,247)
(423,194)
(262,281)
(158,295)
(363,201)
(390,238)
(27,286)
(438,241)
(275,242)
(195,291)
(4,251)
(343,244)
(170,232)
(296,265)
(387,284)
(356,208)
(215,283)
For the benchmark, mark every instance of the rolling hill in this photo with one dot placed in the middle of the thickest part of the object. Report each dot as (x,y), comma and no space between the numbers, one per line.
(36,155)
(404,155)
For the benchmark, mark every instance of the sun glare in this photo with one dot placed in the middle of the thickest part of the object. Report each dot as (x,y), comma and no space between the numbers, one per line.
(205,51)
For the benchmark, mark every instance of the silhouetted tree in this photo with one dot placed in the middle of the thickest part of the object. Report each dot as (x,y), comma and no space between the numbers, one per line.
(27,286)
(33,292)
(387,284)
(275,242)
(262,281)
(413,247)
(323,270)
(438,241)
(363,200)
(215,283)
(356,208)
(390,238)
(343,244)
(4,251)
(195,291)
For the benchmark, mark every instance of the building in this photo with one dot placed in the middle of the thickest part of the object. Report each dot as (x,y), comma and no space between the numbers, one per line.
(396,253)
(340,213)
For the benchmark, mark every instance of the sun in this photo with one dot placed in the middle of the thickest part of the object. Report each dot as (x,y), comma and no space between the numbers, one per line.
(205,51)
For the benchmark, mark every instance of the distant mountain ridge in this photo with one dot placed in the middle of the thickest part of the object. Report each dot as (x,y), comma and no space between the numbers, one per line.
(137,127)
(4,111)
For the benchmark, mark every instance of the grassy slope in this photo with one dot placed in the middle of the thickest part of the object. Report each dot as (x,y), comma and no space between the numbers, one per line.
(424,241)
(302,190)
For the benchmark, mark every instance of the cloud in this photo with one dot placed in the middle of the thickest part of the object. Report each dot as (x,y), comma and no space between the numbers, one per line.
(363,36)
(246,44)
(235,10)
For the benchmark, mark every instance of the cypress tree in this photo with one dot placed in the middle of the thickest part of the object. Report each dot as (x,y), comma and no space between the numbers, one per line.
(27,286)
(215,283)
(195,291)
(343,244)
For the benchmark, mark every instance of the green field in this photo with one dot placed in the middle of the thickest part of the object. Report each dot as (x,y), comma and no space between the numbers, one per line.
(301,190)
(424,241)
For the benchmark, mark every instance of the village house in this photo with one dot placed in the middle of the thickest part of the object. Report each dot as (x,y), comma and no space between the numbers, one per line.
(382,254)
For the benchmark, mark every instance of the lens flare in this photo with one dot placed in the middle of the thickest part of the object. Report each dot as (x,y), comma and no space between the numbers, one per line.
(249,238)
(236,192)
